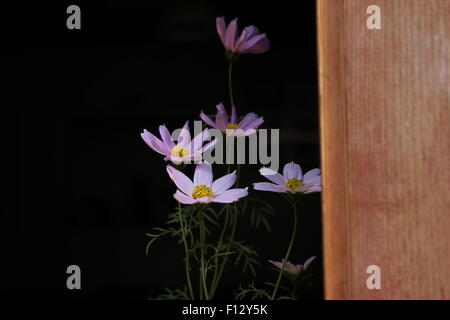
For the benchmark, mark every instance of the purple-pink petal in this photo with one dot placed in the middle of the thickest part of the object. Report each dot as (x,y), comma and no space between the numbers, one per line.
(292,170)
(207,120)
(254,124)
(316,181)
(252,31)
(249,117)
(221,27)
(224,183)
(311,174)
(185,136)
(230,35)
(166,137)
(197,142)
(209,145)
(267,186)
(181,180)
(242,41)
(308,189)
(182,198)
(221,117)
(230,195)
(203,174)
(204,199)
(272,175)
(154,143)
(257,44)
(277,264)
(308,262)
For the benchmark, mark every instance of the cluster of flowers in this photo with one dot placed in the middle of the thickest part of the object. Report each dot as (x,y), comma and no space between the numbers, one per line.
(203,188)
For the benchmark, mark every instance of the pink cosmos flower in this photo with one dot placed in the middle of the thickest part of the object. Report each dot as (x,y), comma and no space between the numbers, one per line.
(291,268)
(292,180)
(203,189)
(231,126)
(184,150)
(249,41)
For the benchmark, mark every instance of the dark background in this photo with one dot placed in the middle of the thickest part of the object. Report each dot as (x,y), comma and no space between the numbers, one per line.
(83,188)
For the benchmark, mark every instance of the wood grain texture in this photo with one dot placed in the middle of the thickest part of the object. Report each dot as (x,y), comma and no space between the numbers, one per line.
(384,108)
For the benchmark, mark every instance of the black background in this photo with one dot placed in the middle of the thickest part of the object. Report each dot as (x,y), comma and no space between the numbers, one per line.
(83,188)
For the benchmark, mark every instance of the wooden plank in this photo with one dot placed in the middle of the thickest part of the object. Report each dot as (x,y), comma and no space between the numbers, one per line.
(384,108)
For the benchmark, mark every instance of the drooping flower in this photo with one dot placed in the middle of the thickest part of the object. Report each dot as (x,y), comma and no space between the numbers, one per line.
(184,150)
(203,189)
(292,180)
(291,268)
(249,41)
(230,125)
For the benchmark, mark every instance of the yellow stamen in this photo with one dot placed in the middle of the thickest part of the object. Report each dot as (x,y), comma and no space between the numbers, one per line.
(202,190)
(232,126)
(179,151)
(293,183)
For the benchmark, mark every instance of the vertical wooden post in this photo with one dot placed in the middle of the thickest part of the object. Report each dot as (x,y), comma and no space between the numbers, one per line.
(385,147)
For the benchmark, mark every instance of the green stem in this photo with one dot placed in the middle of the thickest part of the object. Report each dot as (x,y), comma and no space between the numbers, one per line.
(286,258)
(202,254)
(216,280)
(225,259)
(230,82)
(186,252)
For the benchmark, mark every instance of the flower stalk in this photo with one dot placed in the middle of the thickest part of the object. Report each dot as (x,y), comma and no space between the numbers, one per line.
(288,252)
(202,257)
(186,252)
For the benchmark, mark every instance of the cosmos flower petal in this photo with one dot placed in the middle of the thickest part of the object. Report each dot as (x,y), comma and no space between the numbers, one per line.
(257,44)
(209,145)
(311,174)
(221,117)
(181,180)
(224,183)
(241,42)
(277,264)
(221,27)
(306,189)
(154,143)
(230,35)
(197,142)
(166,137)
(267,186)
(292,170)
(207,120)
(252,31)
(254,124)
(272,175)
(231,195)
(316,181)
(185,136)
(203,174)
(182,198)
(196,157)
(249,118)
(204,199)
(308,262)
(291,268)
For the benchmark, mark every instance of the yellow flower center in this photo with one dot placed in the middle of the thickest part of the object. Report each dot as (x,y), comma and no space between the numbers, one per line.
(202,190)
(232,126)
(293,183)
(179,151)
